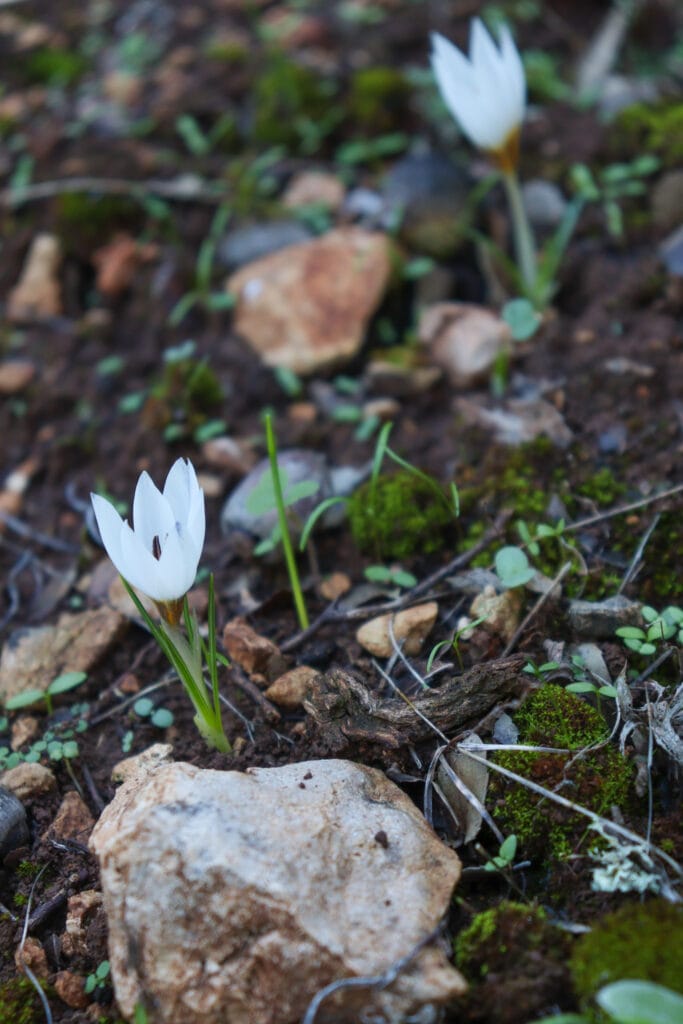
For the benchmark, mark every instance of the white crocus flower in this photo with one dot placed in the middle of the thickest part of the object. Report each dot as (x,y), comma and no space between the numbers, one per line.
(160,553)
(486,94)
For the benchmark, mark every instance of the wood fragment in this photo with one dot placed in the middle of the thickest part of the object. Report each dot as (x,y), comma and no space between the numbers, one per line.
(342,705)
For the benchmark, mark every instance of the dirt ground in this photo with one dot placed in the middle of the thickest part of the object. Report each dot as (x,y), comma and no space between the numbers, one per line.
(93,91)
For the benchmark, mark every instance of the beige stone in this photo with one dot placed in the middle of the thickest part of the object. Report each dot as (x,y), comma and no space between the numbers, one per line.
(411,627)
(73,819)
(82,908)
(306,307)
(24,730)
(37,293)
(231,454)
(244,894)
(32,658)
(29,780)
(32,955)
(314,188)
(464,340)
(500,611)
(137,768)
(334,586)
(248,649)
(290,689)
(70,988)
(15,375)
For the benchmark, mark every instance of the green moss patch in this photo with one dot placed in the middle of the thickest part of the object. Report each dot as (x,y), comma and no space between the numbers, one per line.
(552,717)
(641,941)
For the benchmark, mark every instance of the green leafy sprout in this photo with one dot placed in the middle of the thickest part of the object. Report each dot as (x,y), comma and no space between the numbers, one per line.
(62,684)
(660,627)
(630,1002)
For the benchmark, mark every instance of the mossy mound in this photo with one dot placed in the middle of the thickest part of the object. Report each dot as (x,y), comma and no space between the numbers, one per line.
(287,98)
(641,941)
(656,129)
(377,99)
(20,1003)
(397,516)
(515,961)
(551,717)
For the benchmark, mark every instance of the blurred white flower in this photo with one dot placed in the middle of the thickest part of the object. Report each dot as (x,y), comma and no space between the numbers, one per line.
(160,554)
(485,94)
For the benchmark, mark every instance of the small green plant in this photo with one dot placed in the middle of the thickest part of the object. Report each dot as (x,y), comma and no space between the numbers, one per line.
(512,567)
(660,626)
(161,717)
(505,857)
(62,684)
(391,574)
(180,401)
(454,642)
(98,978)
(202,293)
(613,185)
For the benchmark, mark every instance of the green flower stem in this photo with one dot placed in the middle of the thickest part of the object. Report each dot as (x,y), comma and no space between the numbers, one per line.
(292,570)
(185,655)
(525,247)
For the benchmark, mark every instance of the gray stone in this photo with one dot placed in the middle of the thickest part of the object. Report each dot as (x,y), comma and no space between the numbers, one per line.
(667,200)
(298,465)
(235,897)
(598,620)
(430,195)
(671,252)
(244,245)
(544,204)
(13,824)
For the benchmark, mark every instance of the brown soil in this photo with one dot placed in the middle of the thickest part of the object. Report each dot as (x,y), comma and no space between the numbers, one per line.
(614,303)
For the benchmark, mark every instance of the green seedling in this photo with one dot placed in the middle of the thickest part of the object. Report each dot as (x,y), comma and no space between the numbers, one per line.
(62,684)
(454,642)
(161,717)
(505,857)
(512,567)
(393,575)
(612,185)
(203,293)
(98,978)
(667,625)
(630,1002)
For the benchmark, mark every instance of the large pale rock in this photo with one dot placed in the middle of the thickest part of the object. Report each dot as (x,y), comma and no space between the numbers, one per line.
(307,306)
(233,898)
(464,340)
(32,658)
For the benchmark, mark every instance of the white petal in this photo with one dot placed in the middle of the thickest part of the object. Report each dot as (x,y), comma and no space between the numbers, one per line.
(141,569)
(177,566)
(484,55)
(152,514)
(514,71)
(177,489)
(110,525)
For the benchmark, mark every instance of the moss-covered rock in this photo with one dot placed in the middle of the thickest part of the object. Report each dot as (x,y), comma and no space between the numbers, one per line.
(598,779)
(397,516)
(641,941)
